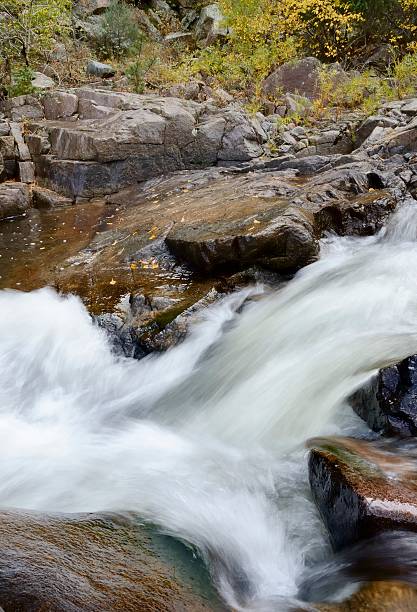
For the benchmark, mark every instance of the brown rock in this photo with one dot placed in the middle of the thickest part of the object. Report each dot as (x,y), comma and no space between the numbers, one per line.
(377,597)
(89,562)
(299,76)
(26,172)
(15,199)
(361,489)
(45,198)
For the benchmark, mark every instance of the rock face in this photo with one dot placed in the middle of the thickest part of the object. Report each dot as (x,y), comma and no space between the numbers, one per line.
(15,199)
(361,489)
(126,138)
(89,562)
(389,402)
(299,76)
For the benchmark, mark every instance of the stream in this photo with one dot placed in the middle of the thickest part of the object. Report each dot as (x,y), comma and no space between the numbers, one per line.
(207,441)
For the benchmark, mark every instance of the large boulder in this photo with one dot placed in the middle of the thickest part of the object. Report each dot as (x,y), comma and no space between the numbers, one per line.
(277,237)
(92,562)
(15,199)
(60,105)
(361,489)
(388,403)
(298,76)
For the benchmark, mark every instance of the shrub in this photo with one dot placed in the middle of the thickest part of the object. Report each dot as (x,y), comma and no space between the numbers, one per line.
(28,28)
(116,33)
(136,71)
(21,82)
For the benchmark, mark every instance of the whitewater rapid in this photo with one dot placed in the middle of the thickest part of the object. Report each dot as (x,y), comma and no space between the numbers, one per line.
(207,440)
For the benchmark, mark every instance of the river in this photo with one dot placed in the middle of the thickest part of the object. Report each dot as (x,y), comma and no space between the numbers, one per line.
(207,441)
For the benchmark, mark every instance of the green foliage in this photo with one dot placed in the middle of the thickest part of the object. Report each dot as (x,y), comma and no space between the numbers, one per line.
(21,82)
(136,71)
(28,28)
(403,75)
(116,33)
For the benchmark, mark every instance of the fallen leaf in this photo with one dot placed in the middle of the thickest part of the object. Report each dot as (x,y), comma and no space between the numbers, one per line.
(113,282)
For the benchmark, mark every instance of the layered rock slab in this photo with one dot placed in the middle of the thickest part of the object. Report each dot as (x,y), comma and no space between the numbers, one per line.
(362,488)
(123,139)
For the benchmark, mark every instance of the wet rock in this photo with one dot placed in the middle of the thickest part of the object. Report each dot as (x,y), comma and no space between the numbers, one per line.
(45,198)
(299,76)
(93,562)
(388,403)
(98,69)
(377,597)
(361,489)
(282,240)
(15,199)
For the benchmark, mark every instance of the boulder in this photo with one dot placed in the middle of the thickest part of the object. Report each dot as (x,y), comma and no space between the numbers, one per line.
(45,198)
(210,26)
(94,562)
(298,76)
(15,199)
(276,238)
(98,69)
(361,489)
(91,7)
(60,105)
(59,53)
(7,147)
(368,126)
(388,403)
(42,82)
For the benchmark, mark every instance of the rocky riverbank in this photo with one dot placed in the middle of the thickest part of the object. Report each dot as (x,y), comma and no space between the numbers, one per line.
(150,208)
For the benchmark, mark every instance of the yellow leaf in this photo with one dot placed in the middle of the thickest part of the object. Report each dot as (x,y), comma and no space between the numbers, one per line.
(112,282)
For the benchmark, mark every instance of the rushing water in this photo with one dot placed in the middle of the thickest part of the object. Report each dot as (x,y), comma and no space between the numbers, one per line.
(207,440)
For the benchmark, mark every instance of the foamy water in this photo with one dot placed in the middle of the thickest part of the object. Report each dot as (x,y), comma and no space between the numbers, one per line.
(207,440)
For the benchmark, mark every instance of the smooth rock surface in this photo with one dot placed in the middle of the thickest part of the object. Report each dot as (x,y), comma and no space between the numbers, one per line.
(91,562)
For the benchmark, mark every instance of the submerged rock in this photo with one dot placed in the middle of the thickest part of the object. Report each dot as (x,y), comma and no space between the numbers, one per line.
(91,562)
(388,403)
(377,597)
(362,489)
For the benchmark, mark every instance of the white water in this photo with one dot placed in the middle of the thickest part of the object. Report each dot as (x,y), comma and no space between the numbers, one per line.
(207,440)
